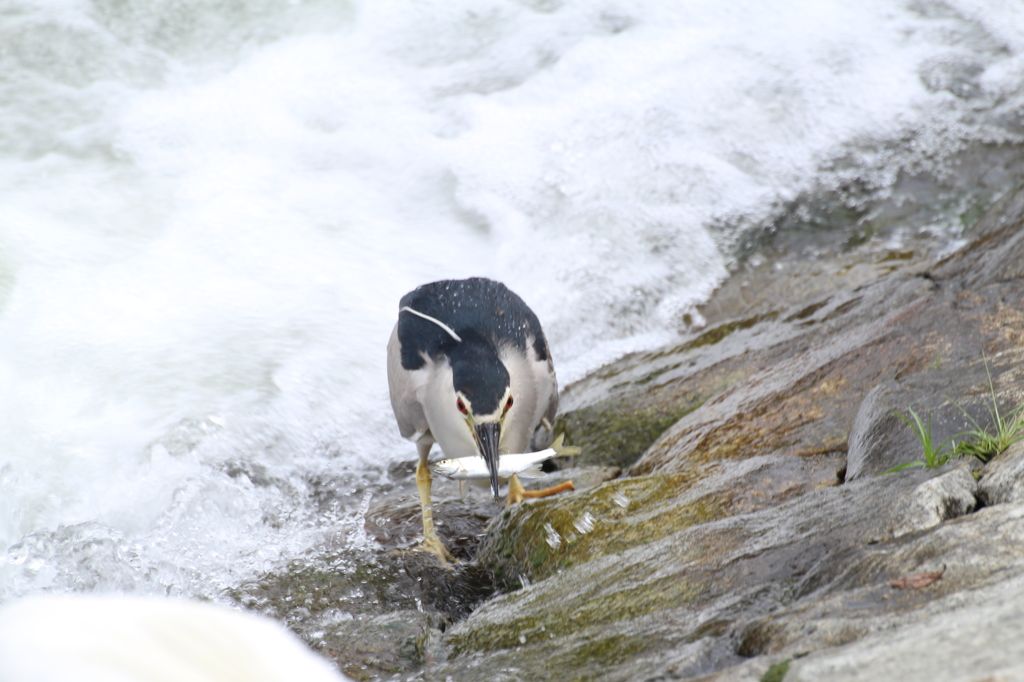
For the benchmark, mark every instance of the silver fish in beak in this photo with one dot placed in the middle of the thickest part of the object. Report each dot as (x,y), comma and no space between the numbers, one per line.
(525,464)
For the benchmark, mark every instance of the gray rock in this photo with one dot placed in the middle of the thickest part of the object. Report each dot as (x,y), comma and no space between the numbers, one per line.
(731,545)
(982,639)
(948,496)
(939,396)
(366,647)
(1003,480)
(734,543)
(870,451)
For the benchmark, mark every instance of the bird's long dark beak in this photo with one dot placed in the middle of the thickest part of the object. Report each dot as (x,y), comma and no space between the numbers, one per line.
(488,434)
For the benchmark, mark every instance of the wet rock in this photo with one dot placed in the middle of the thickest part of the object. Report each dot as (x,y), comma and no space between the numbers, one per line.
(396,642)
(379,611)
(373,612)
(616,432)
(366,582)
(771,310)
(532,541)
(963,626)
(672,592)
(396,522)
(750,531)
(733,543)
(1003,478)
(997,253)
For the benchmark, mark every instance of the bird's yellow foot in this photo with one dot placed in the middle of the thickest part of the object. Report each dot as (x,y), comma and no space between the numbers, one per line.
(548,492)
(432,544)
(517,493)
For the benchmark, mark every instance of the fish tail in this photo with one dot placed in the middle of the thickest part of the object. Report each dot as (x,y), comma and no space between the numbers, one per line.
(533,471)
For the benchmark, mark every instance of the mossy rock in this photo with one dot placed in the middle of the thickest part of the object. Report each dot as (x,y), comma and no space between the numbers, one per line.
(739,550)
(366,583)
(393,643)
(529,542)
(616,433)
(358,583)
(584,614)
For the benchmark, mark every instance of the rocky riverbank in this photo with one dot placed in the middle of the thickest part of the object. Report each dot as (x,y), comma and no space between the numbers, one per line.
(748,536)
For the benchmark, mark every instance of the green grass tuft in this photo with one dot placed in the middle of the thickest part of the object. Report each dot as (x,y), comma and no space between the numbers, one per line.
(1007,429)
(933,456)
(981,442)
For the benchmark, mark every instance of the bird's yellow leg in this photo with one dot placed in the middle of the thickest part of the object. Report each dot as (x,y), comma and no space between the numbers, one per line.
(515,491)
(431,542)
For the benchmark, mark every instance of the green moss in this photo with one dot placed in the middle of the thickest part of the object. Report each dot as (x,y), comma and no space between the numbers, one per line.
(808,311)
(777,671)
(716,334)
(605,651)
(891,256)
(579,614)
(972,215)
(355,582)
(617,432)
(543,537)
(712,628)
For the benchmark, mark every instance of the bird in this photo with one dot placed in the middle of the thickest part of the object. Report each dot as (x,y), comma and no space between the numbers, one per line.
(469,368)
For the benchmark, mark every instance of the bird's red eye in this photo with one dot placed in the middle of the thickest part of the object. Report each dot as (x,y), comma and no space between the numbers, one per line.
(508,404)
(461,405)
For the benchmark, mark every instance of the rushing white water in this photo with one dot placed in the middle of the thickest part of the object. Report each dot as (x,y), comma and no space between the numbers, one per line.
(209,210)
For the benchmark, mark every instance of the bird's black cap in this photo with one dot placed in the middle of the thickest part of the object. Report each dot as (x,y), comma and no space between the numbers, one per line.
(477,306)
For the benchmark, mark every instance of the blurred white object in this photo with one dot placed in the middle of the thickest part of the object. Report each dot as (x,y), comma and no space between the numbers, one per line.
(136,639)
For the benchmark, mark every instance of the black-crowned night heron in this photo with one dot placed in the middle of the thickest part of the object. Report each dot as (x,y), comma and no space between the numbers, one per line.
(468,368)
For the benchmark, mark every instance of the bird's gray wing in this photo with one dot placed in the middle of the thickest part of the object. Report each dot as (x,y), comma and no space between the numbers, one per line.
(549,414)
(402,383)
(543,435)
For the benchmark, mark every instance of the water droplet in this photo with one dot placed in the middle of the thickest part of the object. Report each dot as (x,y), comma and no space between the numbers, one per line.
(522,639)
(585,523)
(552,537)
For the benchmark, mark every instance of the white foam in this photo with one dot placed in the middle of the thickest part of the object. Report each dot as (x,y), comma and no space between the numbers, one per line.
(205,237)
